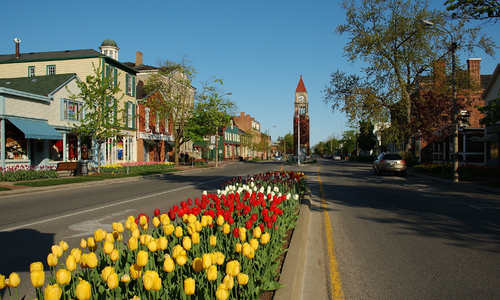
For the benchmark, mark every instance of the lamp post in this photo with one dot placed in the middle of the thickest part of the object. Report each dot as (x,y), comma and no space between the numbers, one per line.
(217,138)
(453,47)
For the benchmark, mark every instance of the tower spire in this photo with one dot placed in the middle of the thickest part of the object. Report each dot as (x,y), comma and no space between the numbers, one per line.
(301,87)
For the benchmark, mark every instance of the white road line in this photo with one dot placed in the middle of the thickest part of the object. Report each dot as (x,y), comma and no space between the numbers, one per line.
(106,206)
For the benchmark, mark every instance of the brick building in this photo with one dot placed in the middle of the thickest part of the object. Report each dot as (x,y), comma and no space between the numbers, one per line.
(301,119)
(251,137)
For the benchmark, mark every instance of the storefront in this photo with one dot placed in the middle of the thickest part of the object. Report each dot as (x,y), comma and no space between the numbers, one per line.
(155,147)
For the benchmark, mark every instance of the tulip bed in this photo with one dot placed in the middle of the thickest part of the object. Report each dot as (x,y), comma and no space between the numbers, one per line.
(136,167)
(223,245)
(24,172)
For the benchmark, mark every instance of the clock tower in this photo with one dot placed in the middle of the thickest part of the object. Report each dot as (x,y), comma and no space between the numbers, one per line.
(301,121)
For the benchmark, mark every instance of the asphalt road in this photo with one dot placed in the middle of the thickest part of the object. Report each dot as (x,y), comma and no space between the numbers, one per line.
(403,237)
(31,223)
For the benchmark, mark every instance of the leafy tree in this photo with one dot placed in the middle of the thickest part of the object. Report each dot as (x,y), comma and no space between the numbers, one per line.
(102,117)
(474,9)
(285,144)
(348,141)
(491,112)
(389,37)
(367,138)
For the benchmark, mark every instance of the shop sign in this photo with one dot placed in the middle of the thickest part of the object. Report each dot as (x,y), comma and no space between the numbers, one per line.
(155,136)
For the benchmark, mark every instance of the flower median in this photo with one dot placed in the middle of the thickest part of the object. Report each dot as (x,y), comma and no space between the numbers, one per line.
(219,246)
(136,167)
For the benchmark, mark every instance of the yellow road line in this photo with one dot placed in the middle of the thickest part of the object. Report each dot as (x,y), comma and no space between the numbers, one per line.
(336,284)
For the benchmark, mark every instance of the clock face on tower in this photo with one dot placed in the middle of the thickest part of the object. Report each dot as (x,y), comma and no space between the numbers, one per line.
(301,98)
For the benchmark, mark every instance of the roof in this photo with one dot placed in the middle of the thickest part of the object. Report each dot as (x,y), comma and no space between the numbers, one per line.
(109,42)
(140,67)
(301,87)
(39,85)
(491,82)
(61,55)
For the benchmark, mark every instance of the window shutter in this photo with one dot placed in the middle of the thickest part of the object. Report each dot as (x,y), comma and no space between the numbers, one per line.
(127,76)
(115,80)
(133,86)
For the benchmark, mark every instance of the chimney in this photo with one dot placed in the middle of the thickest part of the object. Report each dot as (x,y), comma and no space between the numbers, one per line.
(138,58)
(17,41)
(474,66)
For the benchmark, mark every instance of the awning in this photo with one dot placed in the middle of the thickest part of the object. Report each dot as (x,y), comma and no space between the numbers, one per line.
(36,129)
(492,137)
(151,142)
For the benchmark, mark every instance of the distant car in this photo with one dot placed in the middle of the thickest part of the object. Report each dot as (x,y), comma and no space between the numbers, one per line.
(389,163)
(336,157)
(278,157)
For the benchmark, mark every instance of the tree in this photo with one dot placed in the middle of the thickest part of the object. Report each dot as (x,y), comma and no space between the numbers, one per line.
(491,112)
(474,9)
(102,117)
(367,138)
(285,144)
(388,35)
(348,141)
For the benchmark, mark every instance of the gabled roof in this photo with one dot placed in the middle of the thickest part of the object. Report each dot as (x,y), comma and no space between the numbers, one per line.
(61,55)
(301,87)
(38,85)
(491,82)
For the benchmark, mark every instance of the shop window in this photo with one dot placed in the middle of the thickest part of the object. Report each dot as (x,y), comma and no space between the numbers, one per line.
(72,110)
(15,147)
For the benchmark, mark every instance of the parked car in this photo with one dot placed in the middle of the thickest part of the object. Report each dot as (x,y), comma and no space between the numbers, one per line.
(278,157)
(336,157)
(389,163)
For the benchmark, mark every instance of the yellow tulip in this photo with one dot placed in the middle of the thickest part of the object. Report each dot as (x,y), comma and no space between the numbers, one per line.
(52,292)
(37,278)
(112,281)
(219,258)
(156,222)
(110,237)
(91,260)
(133,244)
(83,244)
(98,235)
(108,247)
(63,245)
(36,266)
(248,251)
(168,229)
(91,242)
(264,239)
(195,238)
(57,250)
(77,253)
(222,293)
(220,220)
(186,243)
(226,228)
(164,219)
(143,221)
(149,279)
(115,255)
(210,220)
(106,272)
(157,284)
(257,232)
(83,291)
(228,281)
(213,240)
(135,271)
(2,281)
(14,279)
(204,221)
(191,218)
(136,233)
(177,250)
(181,259)
(168,265)
(153,245)
(242,278)
(83,261)
(142,258)
(207,261)
(243,236)
(118,227)
(125,278)
(198,226)
(162,243)
(238,247)
(134,227)
(212,273)
(52,259)
(189,286)
(63,276)
(254,244)
(191,229)
(178,232)
(233,268)
(70,263)
(185,219)
(128,223)
(145,238)
(197,264)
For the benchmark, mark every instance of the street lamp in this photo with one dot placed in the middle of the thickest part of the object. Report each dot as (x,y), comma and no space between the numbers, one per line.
(453,47)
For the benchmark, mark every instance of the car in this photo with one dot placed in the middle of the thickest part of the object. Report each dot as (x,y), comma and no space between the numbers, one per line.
(336,157)
(389,163)
(278,157)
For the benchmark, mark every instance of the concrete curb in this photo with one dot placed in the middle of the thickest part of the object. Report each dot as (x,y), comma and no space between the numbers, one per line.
(293,271)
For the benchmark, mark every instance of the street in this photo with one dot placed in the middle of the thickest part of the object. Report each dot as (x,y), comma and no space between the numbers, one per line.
(370,237)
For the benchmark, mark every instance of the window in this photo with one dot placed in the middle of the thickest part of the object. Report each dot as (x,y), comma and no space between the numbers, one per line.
(130,85)
(129,110)
(112,74)
(146,118)
(72,110)
(31,71)
(51,70)
(157,123)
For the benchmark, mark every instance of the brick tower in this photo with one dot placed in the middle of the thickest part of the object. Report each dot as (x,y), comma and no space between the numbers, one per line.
(301,120)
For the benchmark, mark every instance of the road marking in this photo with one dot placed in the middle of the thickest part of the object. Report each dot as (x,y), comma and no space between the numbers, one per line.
(106,206)
(336,283)
(483,207)
(88,227)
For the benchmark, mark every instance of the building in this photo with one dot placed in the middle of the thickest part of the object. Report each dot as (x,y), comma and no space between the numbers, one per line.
(250,139)
(492,132)
(36,116)
(301,121)
(82,63)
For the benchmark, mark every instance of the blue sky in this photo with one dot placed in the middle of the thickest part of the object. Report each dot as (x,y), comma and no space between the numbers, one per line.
(259,48)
